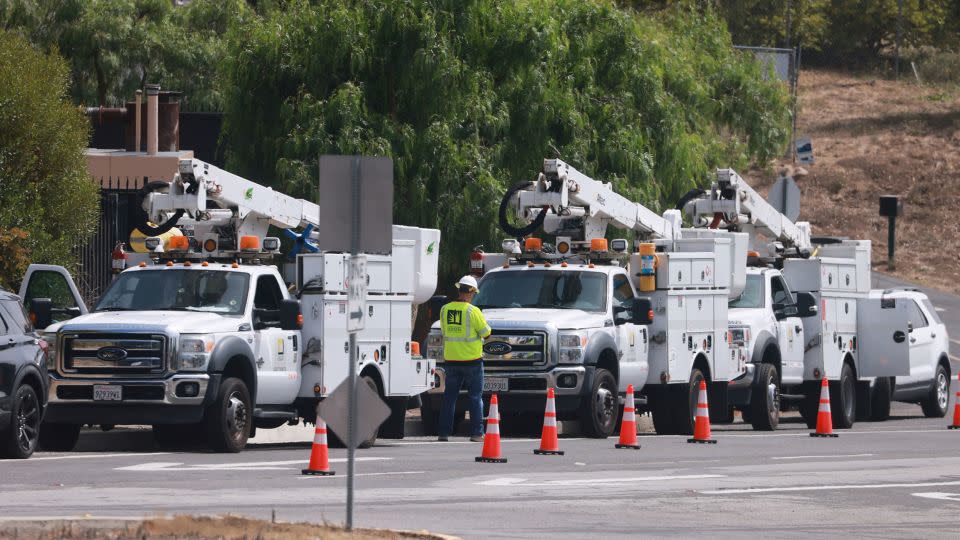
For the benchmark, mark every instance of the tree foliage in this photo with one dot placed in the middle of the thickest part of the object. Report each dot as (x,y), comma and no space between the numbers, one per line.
(468,97)
(48,202)
(116,46)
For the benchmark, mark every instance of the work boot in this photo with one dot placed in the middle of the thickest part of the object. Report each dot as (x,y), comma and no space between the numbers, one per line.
(443,438)
(476,438)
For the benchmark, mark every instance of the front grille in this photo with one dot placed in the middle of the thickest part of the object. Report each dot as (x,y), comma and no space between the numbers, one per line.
(140,392)
(525,383)
(528,349)
(113,354)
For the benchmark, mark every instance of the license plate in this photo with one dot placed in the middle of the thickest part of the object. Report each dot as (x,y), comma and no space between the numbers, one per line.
(495,384)
(107,392)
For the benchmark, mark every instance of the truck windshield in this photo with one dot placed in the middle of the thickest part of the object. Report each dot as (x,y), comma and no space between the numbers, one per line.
(752,295)
(213,291)
(544,289)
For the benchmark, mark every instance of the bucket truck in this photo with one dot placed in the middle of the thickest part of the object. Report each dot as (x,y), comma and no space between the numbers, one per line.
(206,340)
(587,317)
(807,312)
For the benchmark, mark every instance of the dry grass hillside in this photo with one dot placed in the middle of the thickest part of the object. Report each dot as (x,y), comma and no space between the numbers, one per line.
(873,137)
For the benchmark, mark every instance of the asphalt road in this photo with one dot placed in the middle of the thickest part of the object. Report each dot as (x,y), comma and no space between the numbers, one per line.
(899,478)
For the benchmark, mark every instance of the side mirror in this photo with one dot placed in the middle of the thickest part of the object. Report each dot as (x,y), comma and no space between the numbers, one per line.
(622,315)
(41,312)
(782,311)
(642,311)
(290,318)
(807,305)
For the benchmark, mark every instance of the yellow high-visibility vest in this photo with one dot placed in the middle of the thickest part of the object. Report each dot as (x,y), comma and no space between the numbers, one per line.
(463,328)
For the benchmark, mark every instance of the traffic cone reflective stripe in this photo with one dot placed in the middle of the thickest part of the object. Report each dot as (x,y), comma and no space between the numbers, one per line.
(701,426)
(628,426)
(548,439)
(319,459)
(956,408)
(491,440)
(824,417)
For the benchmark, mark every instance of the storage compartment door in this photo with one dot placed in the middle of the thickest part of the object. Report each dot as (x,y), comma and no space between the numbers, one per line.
(883,349)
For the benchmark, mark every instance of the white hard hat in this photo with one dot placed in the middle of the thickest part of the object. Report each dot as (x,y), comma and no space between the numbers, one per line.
(469,281)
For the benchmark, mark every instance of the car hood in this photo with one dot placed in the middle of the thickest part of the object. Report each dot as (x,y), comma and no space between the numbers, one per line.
(136,321)
(752,317)
(562,319)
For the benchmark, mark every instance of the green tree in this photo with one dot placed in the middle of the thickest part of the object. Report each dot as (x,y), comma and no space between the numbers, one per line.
(468,96)
(116,46)
(48,202)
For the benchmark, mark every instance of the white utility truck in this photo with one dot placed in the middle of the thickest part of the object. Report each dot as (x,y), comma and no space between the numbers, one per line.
(588,321)
(205,339)
(806,312)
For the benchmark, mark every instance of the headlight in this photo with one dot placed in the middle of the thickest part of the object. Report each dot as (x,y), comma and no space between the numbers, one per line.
(571,347)
(51,340)
(435,346)
(195,351)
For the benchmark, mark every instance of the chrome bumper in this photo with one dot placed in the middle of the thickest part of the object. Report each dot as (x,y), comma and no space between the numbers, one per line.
(169,385)
(550,378)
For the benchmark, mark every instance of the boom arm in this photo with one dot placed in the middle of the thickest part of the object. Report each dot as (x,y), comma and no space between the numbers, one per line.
(257,207)
(576,200)
(734,202)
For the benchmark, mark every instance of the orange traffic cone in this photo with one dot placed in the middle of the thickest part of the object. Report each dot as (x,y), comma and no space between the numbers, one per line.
(549,445)
(956,408)
(628,426)
(701,426)
(491,441)
(319,463)
(824,418)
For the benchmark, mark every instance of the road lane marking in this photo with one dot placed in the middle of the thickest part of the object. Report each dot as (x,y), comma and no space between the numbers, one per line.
(514,481)
(309,477)
(955,497)
(445,443)
(731,434)
(247,466)
(92,456)
(828,487)
(824,456)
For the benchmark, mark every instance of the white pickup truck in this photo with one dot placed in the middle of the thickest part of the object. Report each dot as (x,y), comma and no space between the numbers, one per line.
(577,328)
(215,350)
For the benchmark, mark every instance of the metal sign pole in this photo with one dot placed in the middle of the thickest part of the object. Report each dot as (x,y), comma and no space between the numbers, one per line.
(352,377)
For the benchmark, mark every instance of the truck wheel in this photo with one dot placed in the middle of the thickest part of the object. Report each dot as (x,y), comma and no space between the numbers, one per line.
(843,399)
(429,417)
(59,437)
(598,413)
(24,429)
(227,422)
(880,399)
(938,399)
(685,405)
(765,399)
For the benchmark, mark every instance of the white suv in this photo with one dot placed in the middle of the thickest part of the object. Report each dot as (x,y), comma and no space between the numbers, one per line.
(929,381)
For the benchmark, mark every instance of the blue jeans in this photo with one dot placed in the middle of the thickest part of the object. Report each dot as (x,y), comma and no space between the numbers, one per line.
(472,378)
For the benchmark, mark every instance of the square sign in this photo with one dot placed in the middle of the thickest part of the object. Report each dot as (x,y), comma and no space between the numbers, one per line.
(373,177)
(805,151)
(356,292)
(371,411)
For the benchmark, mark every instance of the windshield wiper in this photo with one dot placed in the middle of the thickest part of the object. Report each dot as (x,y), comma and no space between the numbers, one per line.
(114,308)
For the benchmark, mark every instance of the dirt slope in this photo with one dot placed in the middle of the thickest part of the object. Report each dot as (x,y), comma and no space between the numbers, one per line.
(876,137)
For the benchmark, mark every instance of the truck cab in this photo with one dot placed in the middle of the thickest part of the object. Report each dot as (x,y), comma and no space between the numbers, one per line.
(577,328)
(177,343)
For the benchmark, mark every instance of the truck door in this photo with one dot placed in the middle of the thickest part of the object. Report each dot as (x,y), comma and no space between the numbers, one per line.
(883,349)
(921,338)
(631,338)
(790,336)
(53,282)
(277,350)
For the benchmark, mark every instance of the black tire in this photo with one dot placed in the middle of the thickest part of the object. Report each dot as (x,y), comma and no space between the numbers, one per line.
(764,403)
(599,410)
(810,404)
(429,417)
(23,434)
(937,402)
(685,403)
(662,413)
(880,396)
(843,399)
(228,420)
(59,437)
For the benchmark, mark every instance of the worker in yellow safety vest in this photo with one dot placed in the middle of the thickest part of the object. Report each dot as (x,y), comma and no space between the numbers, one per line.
(464,329)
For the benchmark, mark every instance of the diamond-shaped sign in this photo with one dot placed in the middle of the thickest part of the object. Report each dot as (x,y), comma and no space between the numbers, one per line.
(371,411)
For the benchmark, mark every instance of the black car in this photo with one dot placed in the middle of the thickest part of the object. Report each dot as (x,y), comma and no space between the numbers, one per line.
(23,380)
